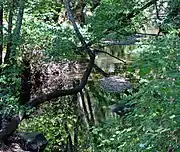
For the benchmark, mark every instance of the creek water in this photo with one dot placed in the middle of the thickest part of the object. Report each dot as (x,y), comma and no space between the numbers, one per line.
(110,64)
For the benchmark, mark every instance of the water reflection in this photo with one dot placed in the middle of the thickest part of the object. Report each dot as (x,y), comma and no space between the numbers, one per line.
(108,63)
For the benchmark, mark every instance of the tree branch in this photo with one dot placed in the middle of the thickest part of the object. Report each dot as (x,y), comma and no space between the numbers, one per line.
(127,17)
(46,97)
(137,11)
(71,18)
(129,40)
(100,71)
(157,11)
(158,17)
(98,51)
(121,42)
(76,134)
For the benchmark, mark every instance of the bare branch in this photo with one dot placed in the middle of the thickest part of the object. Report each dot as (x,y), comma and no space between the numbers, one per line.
(137,11)
(145,34)
(100,71)
(158,17)
(76,134)
(111,56)
(157,11)
(129,40)
(121,42)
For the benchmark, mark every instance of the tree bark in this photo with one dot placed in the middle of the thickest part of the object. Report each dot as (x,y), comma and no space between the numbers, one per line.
(69,139)
(137,11)
(13,39)
(92,121)
(25,92)
(98,69)
(1,32)
(98,51)
(76,132)
(71,18)
(45,97)
(78,11)
(84,107)
(10,24)
(17,30)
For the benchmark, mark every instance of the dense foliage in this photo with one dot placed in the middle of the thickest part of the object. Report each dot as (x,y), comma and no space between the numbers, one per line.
(154,123)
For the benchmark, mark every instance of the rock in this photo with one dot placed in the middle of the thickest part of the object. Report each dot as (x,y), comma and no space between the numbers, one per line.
(14,147)
(122,108)
(34,142)
(115,84)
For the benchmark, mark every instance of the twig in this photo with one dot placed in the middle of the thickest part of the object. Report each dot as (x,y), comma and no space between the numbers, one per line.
(111,56)
(100,71)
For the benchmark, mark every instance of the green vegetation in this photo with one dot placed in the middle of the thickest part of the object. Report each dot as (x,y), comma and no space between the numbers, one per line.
(154,123)
(47,70)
